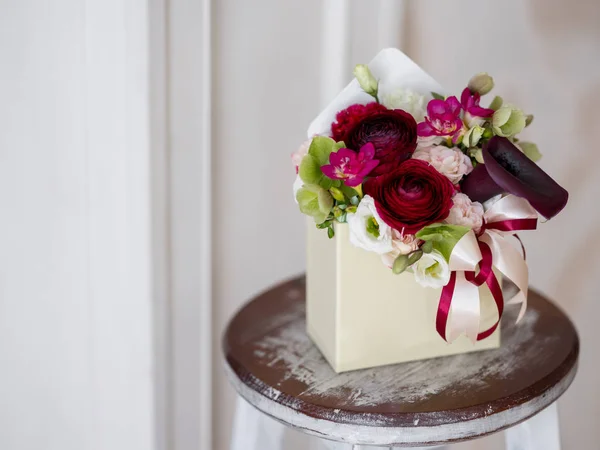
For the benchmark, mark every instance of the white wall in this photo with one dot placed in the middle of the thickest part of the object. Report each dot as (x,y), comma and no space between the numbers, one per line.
(543,55)
(75,297)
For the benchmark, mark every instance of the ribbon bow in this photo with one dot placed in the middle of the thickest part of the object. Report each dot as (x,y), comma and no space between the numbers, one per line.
(459,301)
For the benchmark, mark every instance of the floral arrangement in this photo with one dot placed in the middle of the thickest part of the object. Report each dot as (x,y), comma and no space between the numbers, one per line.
(434,184)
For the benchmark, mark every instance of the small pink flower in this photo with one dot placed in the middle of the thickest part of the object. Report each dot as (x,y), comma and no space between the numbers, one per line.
(352,167)
(443,119)
(451,162)
(466,212)
(403,244)
(474,114)
(299,154)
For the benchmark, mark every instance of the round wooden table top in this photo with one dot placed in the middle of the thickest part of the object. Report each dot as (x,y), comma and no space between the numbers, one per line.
(274,365)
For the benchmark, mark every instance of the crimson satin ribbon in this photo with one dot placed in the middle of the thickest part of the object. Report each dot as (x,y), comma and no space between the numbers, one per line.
(485,275)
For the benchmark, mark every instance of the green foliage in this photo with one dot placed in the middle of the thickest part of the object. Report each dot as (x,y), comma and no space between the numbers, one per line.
(318,155)
(314,201)
(438,96)
(496,103)
(531,151)
(443,237)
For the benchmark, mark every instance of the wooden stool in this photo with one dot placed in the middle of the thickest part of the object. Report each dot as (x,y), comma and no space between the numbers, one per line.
(275,367)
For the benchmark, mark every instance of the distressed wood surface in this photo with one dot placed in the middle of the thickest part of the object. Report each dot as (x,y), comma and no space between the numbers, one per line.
(275,366)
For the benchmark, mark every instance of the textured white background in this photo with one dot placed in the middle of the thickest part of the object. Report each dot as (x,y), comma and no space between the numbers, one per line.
(544,55)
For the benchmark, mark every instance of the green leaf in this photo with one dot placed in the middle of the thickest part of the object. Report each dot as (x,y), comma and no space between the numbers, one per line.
(438,96)
(443,236)
(330,233)
(531,151)
(348,191)
(339,145)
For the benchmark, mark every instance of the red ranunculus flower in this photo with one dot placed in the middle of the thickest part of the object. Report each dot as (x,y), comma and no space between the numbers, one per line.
(411,197)
(393,132)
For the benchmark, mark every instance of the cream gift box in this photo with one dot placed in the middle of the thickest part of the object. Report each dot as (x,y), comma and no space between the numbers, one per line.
(360,314)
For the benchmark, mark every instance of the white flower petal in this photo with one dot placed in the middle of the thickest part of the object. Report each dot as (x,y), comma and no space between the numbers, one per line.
(360,237)
(435,277)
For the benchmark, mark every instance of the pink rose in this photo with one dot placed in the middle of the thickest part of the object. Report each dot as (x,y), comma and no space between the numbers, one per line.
(402,244)
(451,162)
(466,213)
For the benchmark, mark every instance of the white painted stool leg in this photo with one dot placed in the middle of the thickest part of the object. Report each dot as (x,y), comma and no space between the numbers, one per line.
(253,430)
(538,433)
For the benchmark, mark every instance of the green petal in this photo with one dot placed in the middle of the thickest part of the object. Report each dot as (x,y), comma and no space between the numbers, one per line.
(443,236)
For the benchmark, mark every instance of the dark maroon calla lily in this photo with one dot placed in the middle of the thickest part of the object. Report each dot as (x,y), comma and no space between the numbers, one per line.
(508,170)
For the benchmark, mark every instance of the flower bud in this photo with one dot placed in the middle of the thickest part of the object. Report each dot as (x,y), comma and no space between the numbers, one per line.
(508,121)
(337,194)
(477,154)
(472,137)
(400,264)
(530,150)
(414,257)
(366,79)
(528,119)
(496,103)
(481,83)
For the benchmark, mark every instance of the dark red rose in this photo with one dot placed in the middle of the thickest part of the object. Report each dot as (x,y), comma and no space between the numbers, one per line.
(393,132)
(412,196)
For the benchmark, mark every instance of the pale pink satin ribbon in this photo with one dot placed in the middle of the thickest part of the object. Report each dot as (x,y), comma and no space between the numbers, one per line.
(459,309)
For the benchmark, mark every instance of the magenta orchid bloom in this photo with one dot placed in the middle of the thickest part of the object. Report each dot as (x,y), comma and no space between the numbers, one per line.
(352,167)
(470,104)
(443,119)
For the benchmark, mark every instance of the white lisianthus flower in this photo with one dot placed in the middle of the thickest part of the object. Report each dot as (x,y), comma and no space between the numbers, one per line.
(466,212)
(451,162)
(403,244)
(367,230)
(432,270)
(412,102)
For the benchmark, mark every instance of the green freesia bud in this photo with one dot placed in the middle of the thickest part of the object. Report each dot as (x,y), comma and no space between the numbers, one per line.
(528,119)
(337,194)
(481,83)
(477,154)
(496,103)
(365,78)
(400,264)
(508,121)
(530,150)
(414,257)
(473,136)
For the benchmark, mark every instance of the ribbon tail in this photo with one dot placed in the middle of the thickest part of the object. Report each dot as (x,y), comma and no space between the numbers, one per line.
(443,311)
(511,264)
(464,310)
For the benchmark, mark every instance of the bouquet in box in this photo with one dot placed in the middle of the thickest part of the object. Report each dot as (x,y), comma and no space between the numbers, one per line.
(435,184)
